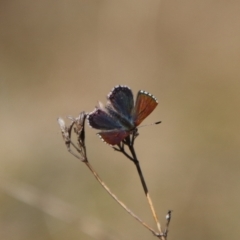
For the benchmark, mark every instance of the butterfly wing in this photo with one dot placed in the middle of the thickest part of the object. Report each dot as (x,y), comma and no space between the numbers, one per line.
(99,119)
(121,98)
(145,104)
(113,137)
(120,116)
(112,131)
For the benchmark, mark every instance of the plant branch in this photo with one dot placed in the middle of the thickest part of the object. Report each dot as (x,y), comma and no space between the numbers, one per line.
(144,185)
(118,201)
(78,124)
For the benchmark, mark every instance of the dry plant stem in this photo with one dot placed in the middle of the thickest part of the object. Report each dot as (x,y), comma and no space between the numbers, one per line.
(136,162)
(81,149)
(129,141)
(168,217)
(117,200)
(111,194)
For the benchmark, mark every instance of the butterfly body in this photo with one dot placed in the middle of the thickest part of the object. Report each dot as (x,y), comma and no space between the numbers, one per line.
(120,116)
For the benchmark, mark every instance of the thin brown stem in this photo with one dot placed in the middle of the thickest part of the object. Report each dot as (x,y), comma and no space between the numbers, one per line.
(118,201)
(168,218)
(144,185)
(78,124)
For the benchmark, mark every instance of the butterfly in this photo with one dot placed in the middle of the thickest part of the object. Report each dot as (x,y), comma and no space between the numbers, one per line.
(120,116)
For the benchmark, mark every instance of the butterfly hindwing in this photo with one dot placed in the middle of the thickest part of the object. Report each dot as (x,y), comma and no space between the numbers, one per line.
(113,137)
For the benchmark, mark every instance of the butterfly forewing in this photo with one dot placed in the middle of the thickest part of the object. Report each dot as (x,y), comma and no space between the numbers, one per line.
(121,98)
(99,119)
(145,104)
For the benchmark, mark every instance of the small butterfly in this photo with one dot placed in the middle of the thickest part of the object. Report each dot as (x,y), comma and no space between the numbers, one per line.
(120,116)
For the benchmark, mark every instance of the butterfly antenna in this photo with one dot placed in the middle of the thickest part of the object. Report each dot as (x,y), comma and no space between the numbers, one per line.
(155,123)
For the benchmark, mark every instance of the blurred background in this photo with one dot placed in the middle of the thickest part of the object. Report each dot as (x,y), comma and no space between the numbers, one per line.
(58,58)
